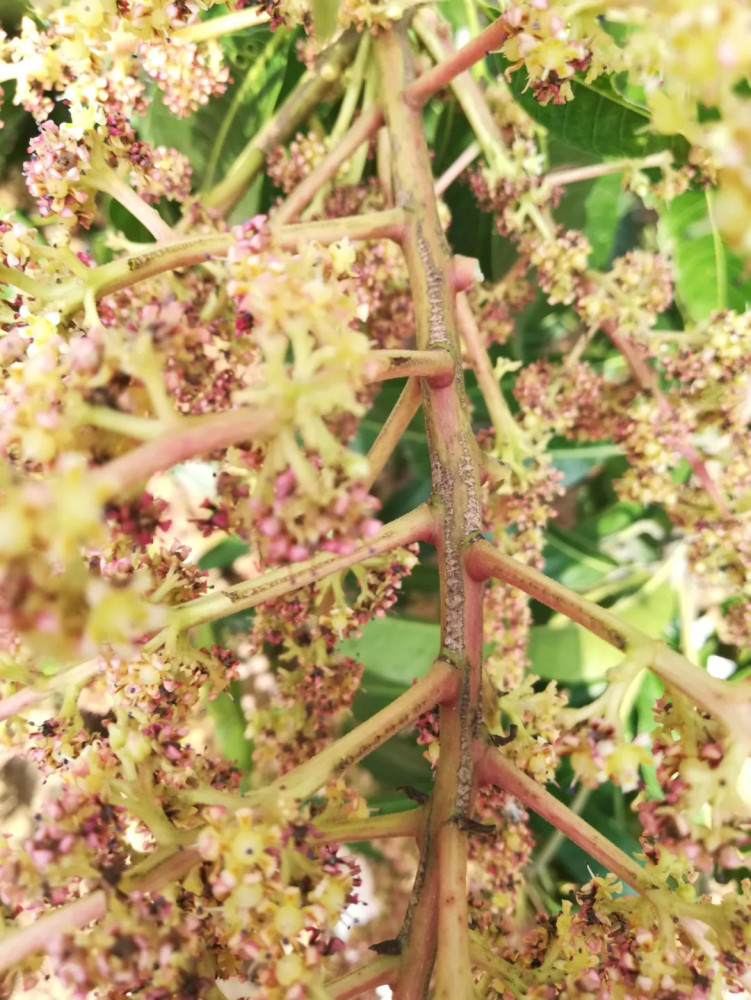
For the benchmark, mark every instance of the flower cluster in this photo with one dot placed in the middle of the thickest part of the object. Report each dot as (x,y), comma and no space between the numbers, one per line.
(704,777)
(553,46)
(690,61)
(300,715)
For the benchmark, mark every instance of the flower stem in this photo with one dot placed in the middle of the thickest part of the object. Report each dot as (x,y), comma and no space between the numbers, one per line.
(402,824)
(23,282)
(128,424)
(17,946)
(560,178)
(395,425)
(496,966)
(415,526)
(380,971)
(191,437)
(19,701)
(108,182)
(126,271)
(366,125)
(440,683)
(458,167)
(450,64)
(504,425)
(435,365)
(369,101)
(495,769)
(352,93)
(721,700)
(647,378)
(385,225)
(218,27)
(450,69)
(160,257)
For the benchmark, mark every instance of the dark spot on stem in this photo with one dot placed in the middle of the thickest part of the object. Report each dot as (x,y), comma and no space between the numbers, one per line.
(392,946)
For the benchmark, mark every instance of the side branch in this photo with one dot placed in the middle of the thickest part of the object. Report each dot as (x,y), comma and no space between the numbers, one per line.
(396,424)
(495,769)
(35,938)
(420,92)
(439,685)
(366,126)
(415,526)
(437,366)
(157,258)
(191,436)
(402,824)
(725,702)
(504,425)
(471,99)
(381,971)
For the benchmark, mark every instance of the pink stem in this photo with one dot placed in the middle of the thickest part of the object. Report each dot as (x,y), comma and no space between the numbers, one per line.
(497,770)
(417,94)
(14,948)
(193,436)
(366,126)
(459,165)
(20,700)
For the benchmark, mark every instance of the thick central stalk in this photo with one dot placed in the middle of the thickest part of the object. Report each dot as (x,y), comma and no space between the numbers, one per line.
(439,929)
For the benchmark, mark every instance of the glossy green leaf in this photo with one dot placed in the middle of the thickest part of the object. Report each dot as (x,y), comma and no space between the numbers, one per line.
(122,221)
(223,554)
(229,727)
(605,204)
(324,19)
(395,649)
(401,761)
(598,120)
(707,275)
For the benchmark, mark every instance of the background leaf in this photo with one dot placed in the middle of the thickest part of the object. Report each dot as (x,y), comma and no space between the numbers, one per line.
(395,649)
(598,120)
(702,266)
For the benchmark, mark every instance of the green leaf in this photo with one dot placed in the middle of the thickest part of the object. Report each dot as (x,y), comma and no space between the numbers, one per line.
(121,220)
(568,653)
(395,649)
(399,762)
(707,275)
(598,120)
(605,204)
(324,19)
(223,554)
(573,560)
(229,727)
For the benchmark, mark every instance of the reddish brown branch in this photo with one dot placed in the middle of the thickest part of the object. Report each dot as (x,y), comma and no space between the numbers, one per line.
(495,769)
(420,92)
